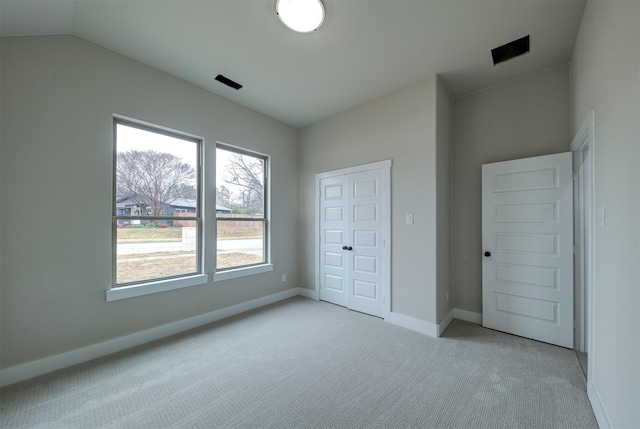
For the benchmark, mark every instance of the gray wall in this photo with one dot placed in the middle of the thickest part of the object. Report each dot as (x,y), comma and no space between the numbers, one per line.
(606,78)
(58,97)
(523,118)
(400,126)
(444,136)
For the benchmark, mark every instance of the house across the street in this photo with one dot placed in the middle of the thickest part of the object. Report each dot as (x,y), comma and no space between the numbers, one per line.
(126,206)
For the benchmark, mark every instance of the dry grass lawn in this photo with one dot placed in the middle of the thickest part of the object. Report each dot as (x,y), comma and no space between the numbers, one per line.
(141,235)
(133,268)
(147,266)
(148,235)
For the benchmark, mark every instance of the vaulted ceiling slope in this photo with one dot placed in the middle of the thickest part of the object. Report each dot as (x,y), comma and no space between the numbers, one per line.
(364,49)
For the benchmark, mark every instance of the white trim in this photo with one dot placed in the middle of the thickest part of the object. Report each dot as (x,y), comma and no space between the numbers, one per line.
(468,316)
(241,272)
(308,293)
(124,292)
(48,364)
(158,127)
(445,323)
(316,239)
(355,169)
(584,134)
(584,141)
(384,165)
(386,235)
(598,408)
(413,324)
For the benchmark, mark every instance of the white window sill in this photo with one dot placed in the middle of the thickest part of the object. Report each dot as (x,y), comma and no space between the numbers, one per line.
(241,272)
(125,292)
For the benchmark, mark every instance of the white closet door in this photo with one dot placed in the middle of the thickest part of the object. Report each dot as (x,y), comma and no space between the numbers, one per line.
(365,226)
(333,236)
(352,225)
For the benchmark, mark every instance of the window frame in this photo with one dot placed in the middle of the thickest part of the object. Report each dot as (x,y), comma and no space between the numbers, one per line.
(143,287)
(258,267)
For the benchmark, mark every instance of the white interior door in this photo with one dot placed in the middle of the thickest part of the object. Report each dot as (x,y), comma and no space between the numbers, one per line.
(365,250)
(527,239)
(352,227)
(333,237)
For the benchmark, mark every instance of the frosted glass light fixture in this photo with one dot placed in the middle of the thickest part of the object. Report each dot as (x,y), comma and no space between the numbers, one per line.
(303,16)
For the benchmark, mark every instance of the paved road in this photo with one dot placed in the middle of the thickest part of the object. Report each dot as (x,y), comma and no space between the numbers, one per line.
(246,245)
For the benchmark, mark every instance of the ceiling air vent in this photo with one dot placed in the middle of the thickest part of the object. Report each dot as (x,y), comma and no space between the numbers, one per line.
(228,82)
(510,50)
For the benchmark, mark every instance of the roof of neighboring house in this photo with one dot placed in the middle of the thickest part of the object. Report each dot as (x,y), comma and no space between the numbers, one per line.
(125,201)
(183,202)
(178,202)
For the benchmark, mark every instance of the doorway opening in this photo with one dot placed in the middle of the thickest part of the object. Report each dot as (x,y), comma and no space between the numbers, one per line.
(583,170)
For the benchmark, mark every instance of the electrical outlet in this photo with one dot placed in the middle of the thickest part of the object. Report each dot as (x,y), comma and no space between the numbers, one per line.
(284,278)
(409,219)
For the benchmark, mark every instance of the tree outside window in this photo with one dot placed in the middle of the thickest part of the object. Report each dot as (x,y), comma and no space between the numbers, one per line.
(156,207)
(241,208)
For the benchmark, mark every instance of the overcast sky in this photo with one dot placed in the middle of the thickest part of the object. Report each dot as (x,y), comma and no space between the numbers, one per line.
(131,138)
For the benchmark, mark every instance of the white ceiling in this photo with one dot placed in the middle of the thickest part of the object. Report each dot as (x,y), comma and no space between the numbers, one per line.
(364,49)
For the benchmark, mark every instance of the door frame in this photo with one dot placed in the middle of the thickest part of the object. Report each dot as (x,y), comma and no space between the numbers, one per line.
(583,146)
(386,229)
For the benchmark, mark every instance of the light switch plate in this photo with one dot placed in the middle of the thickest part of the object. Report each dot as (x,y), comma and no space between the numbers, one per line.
(409,219)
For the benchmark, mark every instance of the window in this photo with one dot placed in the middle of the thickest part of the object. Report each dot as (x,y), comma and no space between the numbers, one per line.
(154,170)
(241,208)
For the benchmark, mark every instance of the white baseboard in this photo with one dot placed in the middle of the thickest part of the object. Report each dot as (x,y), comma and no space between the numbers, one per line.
(417,325)
(598,408)
(38,367)
(430,329)
(445,322)
(468,316)
(308,293)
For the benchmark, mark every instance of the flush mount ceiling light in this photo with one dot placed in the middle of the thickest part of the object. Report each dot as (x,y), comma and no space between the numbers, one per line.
(303,16)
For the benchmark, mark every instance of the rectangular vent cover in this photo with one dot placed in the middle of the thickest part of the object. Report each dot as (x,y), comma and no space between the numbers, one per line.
(228,82)
(510,50)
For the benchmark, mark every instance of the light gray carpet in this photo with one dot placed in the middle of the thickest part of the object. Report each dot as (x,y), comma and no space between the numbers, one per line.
(306,364)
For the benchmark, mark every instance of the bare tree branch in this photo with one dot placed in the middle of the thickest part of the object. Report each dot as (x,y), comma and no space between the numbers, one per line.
(153,179)
(247,172)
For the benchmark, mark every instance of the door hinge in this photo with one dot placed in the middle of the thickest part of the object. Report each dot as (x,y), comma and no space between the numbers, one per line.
(575,249)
